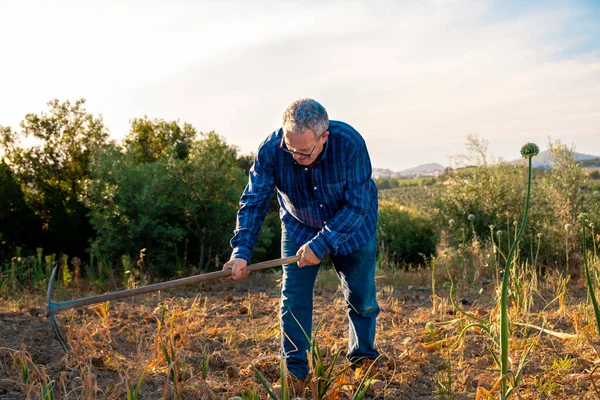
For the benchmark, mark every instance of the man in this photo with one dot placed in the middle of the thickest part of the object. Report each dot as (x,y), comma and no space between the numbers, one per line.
(328,205)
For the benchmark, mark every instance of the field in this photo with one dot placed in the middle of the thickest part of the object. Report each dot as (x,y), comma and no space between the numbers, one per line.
(474,303)
(213,333)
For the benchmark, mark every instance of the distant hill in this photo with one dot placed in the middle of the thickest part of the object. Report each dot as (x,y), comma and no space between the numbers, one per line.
(429,169)
(545,159)
(542,160)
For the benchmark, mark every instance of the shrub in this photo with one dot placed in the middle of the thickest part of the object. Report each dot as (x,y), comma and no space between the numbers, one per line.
(405,236)
(493,193)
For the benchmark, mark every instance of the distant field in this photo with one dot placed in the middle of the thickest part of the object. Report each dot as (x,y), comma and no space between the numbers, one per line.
(418,197)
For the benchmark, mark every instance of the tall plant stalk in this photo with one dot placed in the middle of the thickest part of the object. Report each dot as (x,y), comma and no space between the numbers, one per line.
(583,220)
(527,151)
(568,232)
(537,253)
(593,242)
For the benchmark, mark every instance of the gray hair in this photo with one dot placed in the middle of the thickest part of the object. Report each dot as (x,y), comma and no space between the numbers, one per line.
(305,114)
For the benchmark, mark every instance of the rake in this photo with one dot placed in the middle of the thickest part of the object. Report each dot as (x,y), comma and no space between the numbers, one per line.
(54,307)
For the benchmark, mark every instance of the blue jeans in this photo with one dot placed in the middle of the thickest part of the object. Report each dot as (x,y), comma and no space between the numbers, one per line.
(357,276)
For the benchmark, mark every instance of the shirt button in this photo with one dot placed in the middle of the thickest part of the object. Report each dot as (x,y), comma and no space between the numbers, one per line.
(315,188)
(306,169)
(324,222)
(320,205)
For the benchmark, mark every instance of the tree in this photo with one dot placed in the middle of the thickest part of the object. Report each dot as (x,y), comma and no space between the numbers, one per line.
(477,152)
(18,223)
(383,183)
(211,186)
(53,170)
(133,207)
(180,210)
(245,162)
(148,140)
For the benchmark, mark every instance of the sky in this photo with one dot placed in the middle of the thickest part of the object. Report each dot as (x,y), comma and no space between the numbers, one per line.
(413,77)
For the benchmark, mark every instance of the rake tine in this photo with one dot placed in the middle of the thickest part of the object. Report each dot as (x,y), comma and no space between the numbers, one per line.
(49,302)
(61,339)
(50,313)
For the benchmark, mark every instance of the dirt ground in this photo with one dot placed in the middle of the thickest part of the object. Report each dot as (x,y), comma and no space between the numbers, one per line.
(236,325)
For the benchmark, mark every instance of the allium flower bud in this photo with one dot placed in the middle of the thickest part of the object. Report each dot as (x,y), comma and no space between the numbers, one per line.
(583,218)
(492,227)
(430,327)
(530,150)
(539,235)
(568,226)
(499,233)
(471,217)
(451,222)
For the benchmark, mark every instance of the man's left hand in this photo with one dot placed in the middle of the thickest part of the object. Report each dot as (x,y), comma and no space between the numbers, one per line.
(308,257)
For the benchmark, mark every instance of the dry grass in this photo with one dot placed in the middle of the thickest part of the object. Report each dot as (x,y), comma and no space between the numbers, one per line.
(200,344)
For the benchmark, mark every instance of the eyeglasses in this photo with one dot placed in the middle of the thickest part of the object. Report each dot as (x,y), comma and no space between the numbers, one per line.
(307,155)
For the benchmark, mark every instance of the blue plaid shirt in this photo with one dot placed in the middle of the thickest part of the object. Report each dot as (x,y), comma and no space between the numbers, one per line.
(331,205)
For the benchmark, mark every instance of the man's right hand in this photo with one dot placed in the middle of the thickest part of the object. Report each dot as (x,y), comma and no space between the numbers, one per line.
(237,266)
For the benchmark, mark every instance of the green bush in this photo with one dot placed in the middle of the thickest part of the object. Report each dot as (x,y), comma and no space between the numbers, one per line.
(494,193)
(405,236)
(182,211)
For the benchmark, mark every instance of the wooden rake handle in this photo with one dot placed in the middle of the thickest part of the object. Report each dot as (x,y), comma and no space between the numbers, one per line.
(53,307)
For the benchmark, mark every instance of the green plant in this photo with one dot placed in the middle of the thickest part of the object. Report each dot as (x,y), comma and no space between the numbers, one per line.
(38,270)
(567,234)
(323,377)
(584,220)
(67,277)
(47,387)
(172,367)
(128,278)
(25,371)
(252,395)
(49,261)
(528,151)
(537,251)
(204,366)
(487,190)
(407,236)
(285,390)
(133,392)
(444,381)
(593,242)
(495,250)
(562,365)
(547,386)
